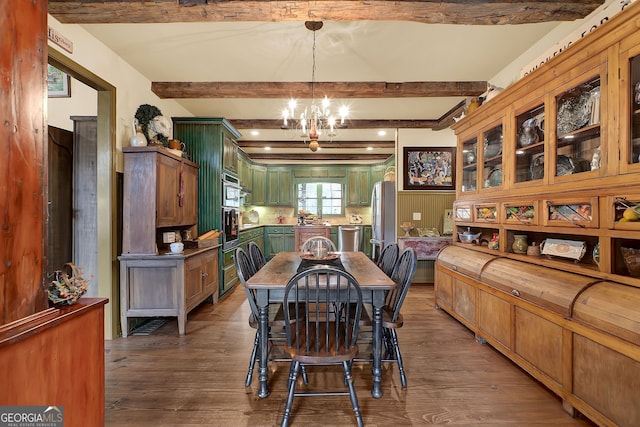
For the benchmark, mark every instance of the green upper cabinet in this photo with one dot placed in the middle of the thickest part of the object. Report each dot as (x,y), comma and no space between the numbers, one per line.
(319,172)
(359,187)
(230,154)
(245,173)
(205,139)
(259,186)
(377,173)
(279,187)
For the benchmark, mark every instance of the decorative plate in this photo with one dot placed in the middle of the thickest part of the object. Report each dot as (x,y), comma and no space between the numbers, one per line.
(528,133)
(493,143)
(574,113)
(495,177)
(564,166)
(254,216)
(308,256)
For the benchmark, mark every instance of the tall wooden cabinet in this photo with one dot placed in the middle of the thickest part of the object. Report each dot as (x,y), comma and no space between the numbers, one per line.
(211,142)
(555,159)
(160,196)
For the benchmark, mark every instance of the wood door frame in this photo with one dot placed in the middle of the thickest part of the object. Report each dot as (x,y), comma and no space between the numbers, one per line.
(106,243)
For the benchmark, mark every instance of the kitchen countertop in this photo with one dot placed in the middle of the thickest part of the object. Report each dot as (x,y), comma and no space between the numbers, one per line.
(250,226)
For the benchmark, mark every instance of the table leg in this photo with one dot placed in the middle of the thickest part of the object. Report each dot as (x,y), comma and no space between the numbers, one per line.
(263,370)
(376,369)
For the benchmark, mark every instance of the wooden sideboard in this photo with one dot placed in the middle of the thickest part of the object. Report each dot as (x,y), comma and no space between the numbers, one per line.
(167,284)
(71,375)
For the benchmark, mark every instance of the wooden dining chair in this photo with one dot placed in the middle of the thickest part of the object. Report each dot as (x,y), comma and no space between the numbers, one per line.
(403,273)
(388,258)
(245,270)
(324,338)
(312,244)
(257,256)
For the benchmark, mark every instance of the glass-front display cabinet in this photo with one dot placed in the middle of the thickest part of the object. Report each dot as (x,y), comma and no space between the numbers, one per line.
(492,157)
(469,165)
(630,97)
(530,138)
(578,129)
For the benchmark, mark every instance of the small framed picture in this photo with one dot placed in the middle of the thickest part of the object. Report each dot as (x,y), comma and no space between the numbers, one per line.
(58,83)
(429,168)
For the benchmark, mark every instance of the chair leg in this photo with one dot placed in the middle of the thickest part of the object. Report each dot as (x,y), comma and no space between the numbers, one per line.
(398,355)
(305,378)
(352,392)
(293,377)
(252,360)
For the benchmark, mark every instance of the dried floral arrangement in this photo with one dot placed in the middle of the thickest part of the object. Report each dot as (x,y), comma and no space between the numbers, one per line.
(67,288)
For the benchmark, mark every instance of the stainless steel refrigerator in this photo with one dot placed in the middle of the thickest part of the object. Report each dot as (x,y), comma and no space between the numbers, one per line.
(383,216)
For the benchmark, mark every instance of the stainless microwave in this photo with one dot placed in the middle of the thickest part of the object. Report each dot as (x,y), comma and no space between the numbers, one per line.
(230,191)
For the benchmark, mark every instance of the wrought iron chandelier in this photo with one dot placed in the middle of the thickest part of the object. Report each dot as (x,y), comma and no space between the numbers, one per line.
(316,121)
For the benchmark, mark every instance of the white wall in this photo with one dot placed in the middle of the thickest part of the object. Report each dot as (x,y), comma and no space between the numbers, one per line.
(132,88)
(83,102)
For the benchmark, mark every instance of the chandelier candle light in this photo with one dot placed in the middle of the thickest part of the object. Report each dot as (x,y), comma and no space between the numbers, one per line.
(316,120)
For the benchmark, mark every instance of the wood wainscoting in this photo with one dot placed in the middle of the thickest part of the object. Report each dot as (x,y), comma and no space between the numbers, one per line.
(432,206)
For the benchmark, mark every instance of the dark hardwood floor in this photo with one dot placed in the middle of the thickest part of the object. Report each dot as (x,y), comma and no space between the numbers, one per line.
(198,380)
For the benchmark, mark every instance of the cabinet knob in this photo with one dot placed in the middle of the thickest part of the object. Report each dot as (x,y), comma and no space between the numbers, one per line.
(204,276)
(515,292)
(454,268)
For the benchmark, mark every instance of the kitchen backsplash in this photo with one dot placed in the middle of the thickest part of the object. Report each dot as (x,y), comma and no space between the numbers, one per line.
(269,215)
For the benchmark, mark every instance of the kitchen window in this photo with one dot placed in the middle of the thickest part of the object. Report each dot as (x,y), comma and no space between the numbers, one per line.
(321,198)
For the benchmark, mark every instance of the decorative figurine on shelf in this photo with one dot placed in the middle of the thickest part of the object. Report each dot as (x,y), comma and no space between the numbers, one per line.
(495,242)
(138,139)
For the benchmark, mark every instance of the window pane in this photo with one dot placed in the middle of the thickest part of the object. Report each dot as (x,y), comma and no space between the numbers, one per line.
(320,197)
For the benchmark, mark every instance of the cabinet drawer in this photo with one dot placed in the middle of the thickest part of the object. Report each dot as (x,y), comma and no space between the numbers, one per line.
(227,258)
(578,212)
(520,212)
(623,212)
(274,230)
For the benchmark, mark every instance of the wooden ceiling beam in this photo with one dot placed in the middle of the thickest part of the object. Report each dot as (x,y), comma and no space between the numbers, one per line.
(463,12)
(342,145)
(319,156)
(351,124)
(182,90)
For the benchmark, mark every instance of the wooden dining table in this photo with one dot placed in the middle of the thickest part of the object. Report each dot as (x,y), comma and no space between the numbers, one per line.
(270,281)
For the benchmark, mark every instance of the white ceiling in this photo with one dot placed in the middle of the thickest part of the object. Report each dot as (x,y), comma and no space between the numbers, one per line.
(388,51)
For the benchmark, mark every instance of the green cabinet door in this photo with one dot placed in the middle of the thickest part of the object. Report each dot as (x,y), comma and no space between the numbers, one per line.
(279,187)
(258,190)
(359,187)
(366,240)
(289,239)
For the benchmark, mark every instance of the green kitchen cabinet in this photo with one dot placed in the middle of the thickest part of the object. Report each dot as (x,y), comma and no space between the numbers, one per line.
(289,239)
(230,154)
(211,142)
(274,241)
(259,187)
(359,186)
(366,240)
(279,187)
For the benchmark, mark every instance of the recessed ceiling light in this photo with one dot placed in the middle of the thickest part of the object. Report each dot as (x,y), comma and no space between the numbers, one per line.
(255,133)
(382,133)
(369,148)
(267,148)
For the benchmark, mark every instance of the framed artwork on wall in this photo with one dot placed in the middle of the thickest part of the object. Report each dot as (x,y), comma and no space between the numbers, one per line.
(58,83)
(429,168)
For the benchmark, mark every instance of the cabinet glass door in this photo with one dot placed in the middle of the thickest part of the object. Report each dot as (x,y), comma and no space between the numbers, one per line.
(529,164)
(469,165)
(634,108)
(578,129)
(492,157)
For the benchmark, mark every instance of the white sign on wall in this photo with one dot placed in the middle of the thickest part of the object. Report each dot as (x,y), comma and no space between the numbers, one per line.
(587,27)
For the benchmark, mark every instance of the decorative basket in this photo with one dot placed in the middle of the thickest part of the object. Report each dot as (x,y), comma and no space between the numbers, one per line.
(390,174)
(68,286)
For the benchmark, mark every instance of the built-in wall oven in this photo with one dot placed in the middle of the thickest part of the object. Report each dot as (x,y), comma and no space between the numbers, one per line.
(230,211)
